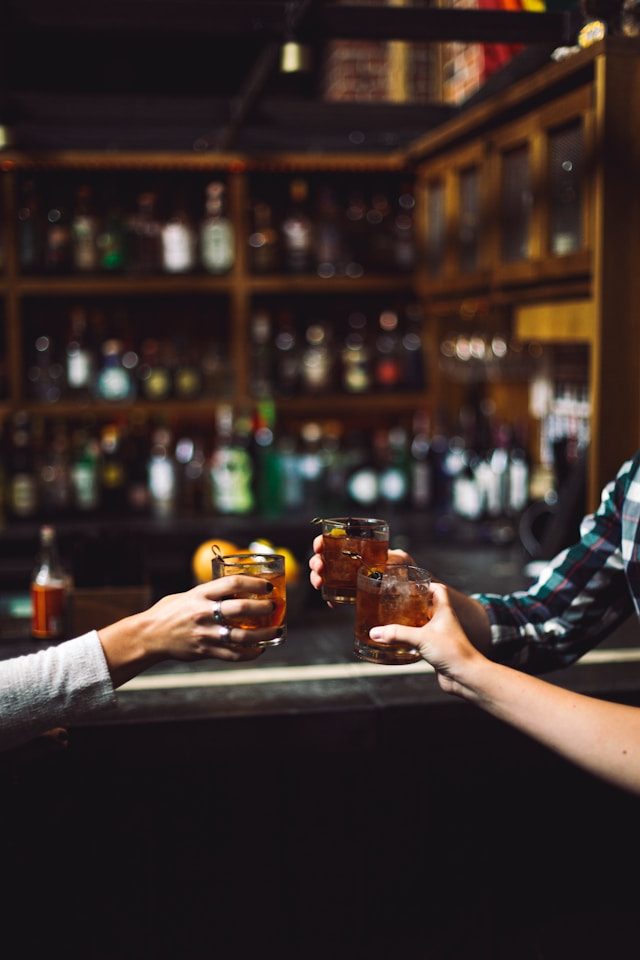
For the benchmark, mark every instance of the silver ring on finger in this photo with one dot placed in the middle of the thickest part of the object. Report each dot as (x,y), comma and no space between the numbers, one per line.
(224,633)
(218,619)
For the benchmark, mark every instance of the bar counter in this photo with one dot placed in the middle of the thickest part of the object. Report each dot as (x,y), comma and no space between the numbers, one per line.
(316,805)
(316,672)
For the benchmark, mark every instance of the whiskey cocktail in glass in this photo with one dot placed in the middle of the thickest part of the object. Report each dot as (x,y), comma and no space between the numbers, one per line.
(347,544)
(390,593)
(267,566)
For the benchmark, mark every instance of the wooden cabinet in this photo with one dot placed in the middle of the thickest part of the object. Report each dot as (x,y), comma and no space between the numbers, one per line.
(549,170)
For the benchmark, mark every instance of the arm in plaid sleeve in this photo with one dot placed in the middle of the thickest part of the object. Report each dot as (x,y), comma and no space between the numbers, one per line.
(580,597)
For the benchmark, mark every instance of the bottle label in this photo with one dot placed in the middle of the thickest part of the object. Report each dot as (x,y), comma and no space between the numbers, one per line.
(79,369)
(178,249)
(47,604)
(217,247)
(23,495)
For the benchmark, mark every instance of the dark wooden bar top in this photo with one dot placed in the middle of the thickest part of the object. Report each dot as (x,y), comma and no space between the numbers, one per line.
(323,807)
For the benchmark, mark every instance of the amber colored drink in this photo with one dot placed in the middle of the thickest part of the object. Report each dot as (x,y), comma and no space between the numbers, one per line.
(391,593)
(347,544)
(267,566)
(48,608)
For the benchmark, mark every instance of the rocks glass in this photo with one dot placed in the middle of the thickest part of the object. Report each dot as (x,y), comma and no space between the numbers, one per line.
(267,566)
(348,543)
(390,593)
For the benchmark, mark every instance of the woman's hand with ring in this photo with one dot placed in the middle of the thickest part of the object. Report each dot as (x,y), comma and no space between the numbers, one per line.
(181,626)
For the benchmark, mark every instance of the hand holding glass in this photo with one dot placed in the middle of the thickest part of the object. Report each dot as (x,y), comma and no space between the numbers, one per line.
(267,566)
(347,544)
(390,593)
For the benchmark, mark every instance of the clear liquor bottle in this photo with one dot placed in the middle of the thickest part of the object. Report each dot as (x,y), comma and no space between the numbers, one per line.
(79,355)
(297,230)
(85,227)
(179,240)
(264,241)
(217,235)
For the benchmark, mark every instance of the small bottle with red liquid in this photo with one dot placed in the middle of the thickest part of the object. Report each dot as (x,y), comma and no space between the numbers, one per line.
(49,589)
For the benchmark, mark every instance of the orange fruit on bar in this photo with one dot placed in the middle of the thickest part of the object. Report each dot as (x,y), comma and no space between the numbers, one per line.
(203,555)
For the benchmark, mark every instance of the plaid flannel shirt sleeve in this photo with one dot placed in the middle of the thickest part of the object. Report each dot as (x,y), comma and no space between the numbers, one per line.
(581,596)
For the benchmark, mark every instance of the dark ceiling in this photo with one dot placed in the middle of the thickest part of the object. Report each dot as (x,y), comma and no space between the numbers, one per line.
(179,74)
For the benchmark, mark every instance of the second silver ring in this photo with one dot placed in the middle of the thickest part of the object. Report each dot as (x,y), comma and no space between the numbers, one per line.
(217,614)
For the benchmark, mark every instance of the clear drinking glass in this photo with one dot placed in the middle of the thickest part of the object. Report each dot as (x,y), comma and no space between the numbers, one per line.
(347,544)
(390,593)
(268,566)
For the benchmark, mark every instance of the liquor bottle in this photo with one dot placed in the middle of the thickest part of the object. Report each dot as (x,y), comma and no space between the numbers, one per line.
(519,475)
(230,464)
(362,473)
(356,373)
(45,373)
(84,472)
(381,240)
(328,246)
(112,237)
(135,445)
(421,468)
(114,381)
(144,229)
(356,234)
(263,240)
(57,240)
(311,466)
(54,473)
(412,351)
(50,585)
(113,473)
(22,487)
(261,359)
(388,364)
(179,240)
(267,461)
(217,235)
(394,481)
(287,356)
(79,356)
(291,485)
(297,230)
(317,359)
(187,375)
(402,231)
(191,465)
(84,231)
(162,474)
(30,229)
(153,374)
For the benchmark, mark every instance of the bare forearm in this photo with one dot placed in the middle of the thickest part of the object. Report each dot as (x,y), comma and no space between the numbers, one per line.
(126,648)
(601,737)
(473,619)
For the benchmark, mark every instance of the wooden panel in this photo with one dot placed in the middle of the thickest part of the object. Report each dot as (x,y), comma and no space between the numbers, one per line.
(616,354)
(94,608)
(569,321)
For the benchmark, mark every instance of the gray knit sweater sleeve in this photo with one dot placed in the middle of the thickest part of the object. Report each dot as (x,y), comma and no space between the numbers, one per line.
(53,687)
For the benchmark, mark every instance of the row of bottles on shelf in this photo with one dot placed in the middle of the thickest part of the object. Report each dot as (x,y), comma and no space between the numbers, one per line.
(354,352)
(98,360)
(333,234)
(314,232)
(87,236)
(245,465)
